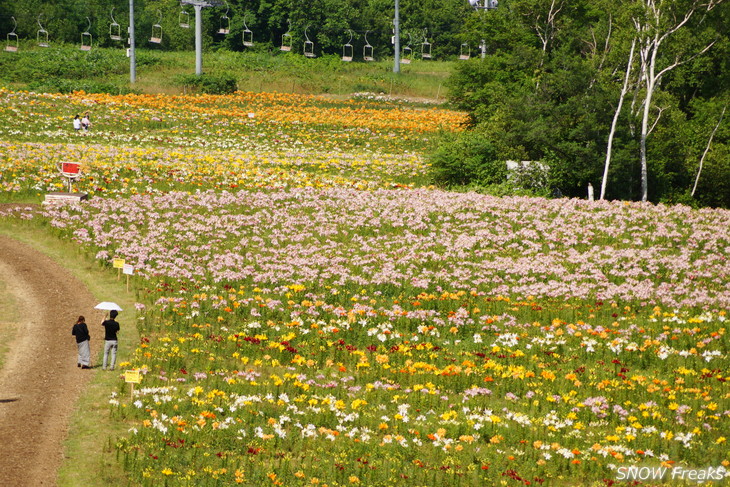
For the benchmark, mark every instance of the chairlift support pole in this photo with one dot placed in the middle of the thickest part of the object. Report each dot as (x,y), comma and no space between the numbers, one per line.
(396,35)
(198,5)
(482,5)
(198,39)
(132,61)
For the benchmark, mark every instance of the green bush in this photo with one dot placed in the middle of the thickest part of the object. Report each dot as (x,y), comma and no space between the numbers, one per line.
(61,85)
(211,84)
(63,62)
(469,158)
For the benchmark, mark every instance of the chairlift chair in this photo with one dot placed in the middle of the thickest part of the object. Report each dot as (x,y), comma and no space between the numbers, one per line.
(308,45)
(407,52)
(286,40)
(347,50)
(115,30)
(42,34)
(484,4)
(247,34)
(11,44)
(425,46)
(465,52)
(156,36)
(184,19)
(225,22)
(368,53)
(86,37)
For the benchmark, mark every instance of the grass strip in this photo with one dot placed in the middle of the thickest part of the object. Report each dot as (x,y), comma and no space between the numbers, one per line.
(90,457)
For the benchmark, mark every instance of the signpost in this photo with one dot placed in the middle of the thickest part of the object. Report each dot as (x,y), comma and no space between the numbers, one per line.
(132,377)
(128,270)
(71,171)
(118,264)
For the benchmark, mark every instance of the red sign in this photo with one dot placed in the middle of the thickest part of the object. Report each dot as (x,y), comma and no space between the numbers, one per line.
(70,167)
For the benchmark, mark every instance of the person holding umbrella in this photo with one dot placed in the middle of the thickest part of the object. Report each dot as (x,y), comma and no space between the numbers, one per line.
(83,339)
(111,327)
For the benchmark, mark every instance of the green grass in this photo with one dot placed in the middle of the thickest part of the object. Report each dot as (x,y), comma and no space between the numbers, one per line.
(89,458)
(255,71)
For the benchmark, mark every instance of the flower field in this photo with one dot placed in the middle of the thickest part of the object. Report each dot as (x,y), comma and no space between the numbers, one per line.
(222,142)
(268,122)
(416,336)
(314,316)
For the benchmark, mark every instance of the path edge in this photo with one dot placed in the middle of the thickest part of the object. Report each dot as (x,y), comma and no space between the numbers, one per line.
(89,457)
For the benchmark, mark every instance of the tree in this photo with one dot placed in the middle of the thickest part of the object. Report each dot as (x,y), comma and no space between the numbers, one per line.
(624,91)
(655,26)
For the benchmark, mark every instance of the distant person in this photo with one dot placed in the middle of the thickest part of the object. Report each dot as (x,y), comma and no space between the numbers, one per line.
(83,339)
(111,327)
(77,123)
(86,122)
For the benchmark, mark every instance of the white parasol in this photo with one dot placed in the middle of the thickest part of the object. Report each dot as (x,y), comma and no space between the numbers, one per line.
(108,306)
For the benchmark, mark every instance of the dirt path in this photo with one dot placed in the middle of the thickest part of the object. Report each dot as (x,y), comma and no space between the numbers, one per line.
(39,383)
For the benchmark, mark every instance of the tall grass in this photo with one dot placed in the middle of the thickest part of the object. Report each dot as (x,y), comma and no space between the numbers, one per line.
(107,69)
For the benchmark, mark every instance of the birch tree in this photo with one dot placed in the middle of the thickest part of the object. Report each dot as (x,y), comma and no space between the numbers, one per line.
(661,19)
(622,95)
(543,18)
(707,149)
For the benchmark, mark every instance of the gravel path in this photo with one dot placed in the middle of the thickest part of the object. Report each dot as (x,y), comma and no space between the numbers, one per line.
(39,382)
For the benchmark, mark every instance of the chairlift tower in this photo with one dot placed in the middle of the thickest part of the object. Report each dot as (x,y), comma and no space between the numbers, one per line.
(199,5)
(482,5)
(396,38)
(131,48)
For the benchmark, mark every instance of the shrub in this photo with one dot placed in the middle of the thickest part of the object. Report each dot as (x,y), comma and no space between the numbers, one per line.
(469,158)
(211,84)
(60,85)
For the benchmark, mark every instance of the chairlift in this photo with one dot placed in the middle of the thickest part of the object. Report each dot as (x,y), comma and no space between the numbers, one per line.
(247,33)
(225,22)
(425,46)
(115,30)
(156,36)
(286,39)
(465,52)
(484,4)
(42,34)
(86,37)
(347,50)
(184,18)
(407,52)
(11,44)
(308,45)
(368,53)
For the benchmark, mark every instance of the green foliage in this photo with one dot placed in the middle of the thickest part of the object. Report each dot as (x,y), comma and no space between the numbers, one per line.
(548,91)
(329,23)
(62,85)
(221,84)
(62,61)
(467,158)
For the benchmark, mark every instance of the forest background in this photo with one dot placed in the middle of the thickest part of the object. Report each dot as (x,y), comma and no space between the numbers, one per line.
(630,97)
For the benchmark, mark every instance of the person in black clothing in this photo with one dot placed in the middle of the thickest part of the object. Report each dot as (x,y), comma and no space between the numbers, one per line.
(111,327)
(83,340)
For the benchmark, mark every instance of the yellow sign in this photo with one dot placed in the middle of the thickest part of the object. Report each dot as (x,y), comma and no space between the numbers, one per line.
(118,263)
(132,376)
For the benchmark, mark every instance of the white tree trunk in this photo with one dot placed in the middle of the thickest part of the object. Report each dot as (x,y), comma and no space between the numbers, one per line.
(652,35)
(707,149)
(609,148)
